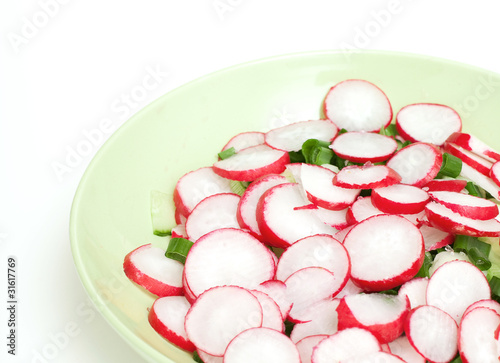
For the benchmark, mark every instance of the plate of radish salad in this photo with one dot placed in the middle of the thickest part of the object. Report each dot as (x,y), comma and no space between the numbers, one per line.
(366,235)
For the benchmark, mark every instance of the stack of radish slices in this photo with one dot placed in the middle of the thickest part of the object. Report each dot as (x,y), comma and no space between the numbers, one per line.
(345,239)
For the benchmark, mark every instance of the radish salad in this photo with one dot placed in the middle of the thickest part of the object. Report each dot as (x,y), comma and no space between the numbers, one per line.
(362,236)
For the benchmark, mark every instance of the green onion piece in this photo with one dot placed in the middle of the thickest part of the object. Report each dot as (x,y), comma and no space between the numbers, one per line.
(473,189)
(452,166)
(296,157)
(227,153)
(238,187)
(317,152)
(365,193)
(457,360)
(389,292)
(465,243)
(341,131)
(323,156)
(197,358)
(479,259)
(390,130)
(424,269)
(495,287)
(288,327)
(178,249)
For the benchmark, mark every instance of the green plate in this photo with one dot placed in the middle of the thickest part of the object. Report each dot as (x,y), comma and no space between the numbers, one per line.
(184,129)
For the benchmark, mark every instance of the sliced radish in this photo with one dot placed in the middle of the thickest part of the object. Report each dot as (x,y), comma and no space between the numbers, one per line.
(291,137)
(277,291)
(148,267)
(477,341)
(472,143)
(261,345)
(466,205)
(481,180)
(376,357)
(447,220)
(179,231)
(495,173)
(317,183)
(357,105)
(415,291)
(334,218)
(280,223)
(368,176)
(347,343)
(251,163)
(212,213)
(167,317)
(349,289)
(433,333)
(243,140)
(487,303)
(218,315)
(400,199)
(477,162)
(417,163)
(340,235)
(435,238)
(361,147)
(271,313)
(227,257)
(362,209)
(307,286)
(427,122)
(306,345)
(446,256)
(382,315)
(208,358)
(195,186)
(456,285)
(247,206)
(316,251)
(319,318)
(446,185)
(385,250)
(402,348)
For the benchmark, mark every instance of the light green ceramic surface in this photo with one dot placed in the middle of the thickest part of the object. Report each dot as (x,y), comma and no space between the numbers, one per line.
(184,130)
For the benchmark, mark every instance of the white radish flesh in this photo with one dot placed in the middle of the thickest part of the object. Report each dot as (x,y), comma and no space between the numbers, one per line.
(212,213)
(377,357)
(251,163)
(400,199)
(317,183)
(277,291)
(148,267)
(362,209)
(349,289)
(466,205)
(261,345)
(433,333)
(280,223)
(456,285)
(319,318)
(368,176)
(306,345)
(402,348)
(334,218)
(345,344)
(477,162)
(361,147)
(446,256)
(271,313)
(481,180)
(167,316)
(435,238)
(227,257)
(472,143)
(427,122)
(382,315)
(208,358)
(385,251)
(415,291)
(495,173)
(417,163)
(244,140)
(292,136)
(357,105)
(195,186)
(447,220)
(487,303)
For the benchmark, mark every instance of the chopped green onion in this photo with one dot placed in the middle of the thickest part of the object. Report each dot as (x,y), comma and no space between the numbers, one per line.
(424,269)
(341,131)
(390,130)
(317,152)
(473,189)
(296,157)
(495,287)
(452,166)
(178,249)
(197,358)
(457,360)
(365,193)
(479,259)
(238,187)
(465,243)
(227,153)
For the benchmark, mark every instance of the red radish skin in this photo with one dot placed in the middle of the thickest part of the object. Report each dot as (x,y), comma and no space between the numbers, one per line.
(227,257)
(368,176)
(361,147)
(481,180)
(472,143)
(445,219)
(252,163)
(167,316)
(435,238)
(357,105)
(445,185)
(291,137)
(486,303)
(415,291)
(477,162)
(495,173)
(179,231)
(427,122)
(433,333)
(417,163)
(244,140)
(320,318)
(148,267)
(400,199)
(466,205)
(455,285)
(195,186)
(385,250)
(382,315)
(261,345)
(220,314)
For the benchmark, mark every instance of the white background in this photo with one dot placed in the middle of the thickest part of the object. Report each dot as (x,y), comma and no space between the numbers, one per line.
(67,69)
